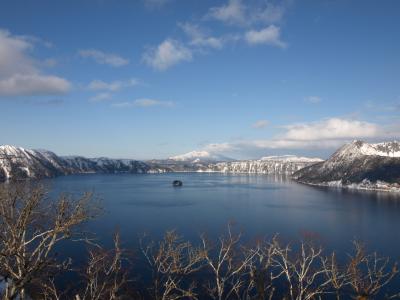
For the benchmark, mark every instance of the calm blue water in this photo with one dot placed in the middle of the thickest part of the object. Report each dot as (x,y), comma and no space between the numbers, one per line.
(259,205)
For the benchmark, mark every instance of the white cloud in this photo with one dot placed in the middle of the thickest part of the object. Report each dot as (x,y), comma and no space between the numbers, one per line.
(168,53)
(330,129)
(261,124)
(313,99)
(98,85)
(151,102)
(13,56)
(325,134)
(19,72)
(144,102)
(100,97)
(219,147)
(104,58)
(234,12)
(31,85)
(269,36)
(271,13)
(199,38)
(246,13)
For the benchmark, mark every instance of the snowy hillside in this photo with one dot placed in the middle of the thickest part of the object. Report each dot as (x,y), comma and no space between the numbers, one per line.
(284,165)
(291,158)
(19,163)
(389,149)
(357,163)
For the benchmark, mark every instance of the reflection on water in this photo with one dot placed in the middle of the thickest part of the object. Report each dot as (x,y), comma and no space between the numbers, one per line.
(259,205)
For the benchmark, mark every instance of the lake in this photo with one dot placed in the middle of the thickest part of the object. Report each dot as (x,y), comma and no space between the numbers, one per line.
(259,205)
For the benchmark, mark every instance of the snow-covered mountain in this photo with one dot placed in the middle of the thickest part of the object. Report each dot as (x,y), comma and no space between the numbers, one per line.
(284,165)
(291,158)
(19,163)
(387,149)
(22,163)
(199,156)
(357,164)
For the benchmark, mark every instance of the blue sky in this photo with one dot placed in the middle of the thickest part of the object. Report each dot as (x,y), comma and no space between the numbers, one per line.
(155,78)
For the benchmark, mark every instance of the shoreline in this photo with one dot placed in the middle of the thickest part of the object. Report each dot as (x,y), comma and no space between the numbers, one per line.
(352,186)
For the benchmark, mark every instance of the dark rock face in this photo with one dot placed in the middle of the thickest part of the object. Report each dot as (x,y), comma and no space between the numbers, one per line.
(354,163)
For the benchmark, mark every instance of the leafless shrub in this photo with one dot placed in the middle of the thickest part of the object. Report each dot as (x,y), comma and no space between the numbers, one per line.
(229,265)
(172,262)
(261,282)
(30,228)
(367,274)
(337,275)
(105,277)
(304,271)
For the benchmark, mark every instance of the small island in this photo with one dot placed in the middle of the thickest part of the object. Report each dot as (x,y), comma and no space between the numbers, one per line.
(177,183)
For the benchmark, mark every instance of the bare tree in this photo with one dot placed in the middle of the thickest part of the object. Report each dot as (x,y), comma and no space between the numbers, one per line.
(368,273)
(172,261)
(30,227)
(105,276)
(337,275)
(304,271)
(229,265)
(261,283)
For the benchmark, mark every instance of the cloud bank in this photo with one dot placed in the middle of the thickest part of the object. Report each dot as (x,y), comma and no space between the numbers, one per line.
(246,13)
(100,85)
(144,102)
(269,36)
(260,124)
(324,134)
(170,52)
(19,71)
(260,18)
(103,58)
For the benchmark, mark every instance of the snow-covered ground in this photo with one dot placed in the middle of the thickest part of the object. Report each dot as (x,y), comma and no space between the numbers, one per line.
(390,149)
(292,158)
(363,185)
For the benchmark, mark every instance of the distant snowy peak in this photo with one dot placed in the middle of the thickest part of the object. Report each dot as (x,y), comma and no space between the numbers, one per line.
(11,151)
(291,158)
(386,149)
(199,156)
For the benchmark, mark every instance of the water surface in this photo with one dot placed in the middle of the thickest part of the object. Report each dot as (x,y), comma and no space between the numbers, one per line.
(258,205)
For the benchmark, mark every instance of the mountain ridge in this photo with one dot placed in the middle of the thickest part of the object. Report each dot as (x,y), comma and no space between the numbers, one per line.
(357,165)
(19,163)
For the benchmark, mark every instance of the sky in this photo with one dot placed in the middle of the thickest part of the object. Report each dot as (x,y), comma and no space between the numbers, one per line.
(155,78)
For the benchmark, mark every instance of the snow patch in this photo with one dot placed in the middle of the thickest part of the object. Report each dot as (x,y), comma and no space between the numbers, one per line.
(389,149)
(291,158)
